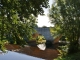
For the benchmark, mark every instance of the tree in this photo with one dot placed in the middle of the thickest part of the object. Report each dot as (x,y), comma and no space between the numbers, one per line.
(66,15)
(18,19)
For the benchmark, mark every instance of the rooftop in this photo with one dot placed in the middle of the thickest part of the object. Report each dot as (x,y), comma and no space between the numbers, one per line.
(45,31)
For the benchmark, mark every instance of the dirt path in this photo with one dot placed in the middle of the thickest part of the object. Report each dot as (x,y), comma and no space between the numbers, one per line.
(47,54)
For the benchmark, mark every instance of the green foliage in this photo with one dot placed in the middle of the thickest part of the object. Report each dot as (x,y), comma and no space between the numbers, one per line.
(2,43)
(55,31)
(18,19)
(65,15)
(75,56)
(40,39)
(63,50)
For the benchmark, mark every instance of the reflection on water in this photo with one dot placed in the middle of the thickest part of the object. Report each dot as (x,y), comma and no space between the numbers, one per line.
(16,56)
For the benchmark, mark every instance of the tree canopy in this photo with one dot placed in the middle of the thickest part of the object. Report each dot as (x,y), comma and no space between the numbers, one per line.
(18,19)
(65,14)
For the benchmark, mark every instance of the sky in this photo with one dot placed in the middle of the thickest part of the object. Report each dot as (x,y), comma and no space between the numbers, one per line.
(44,20)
